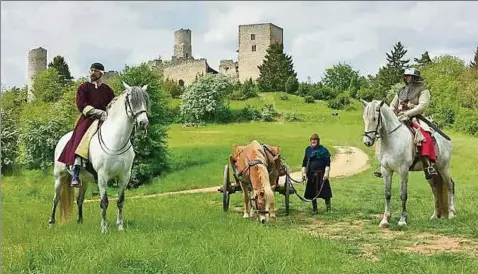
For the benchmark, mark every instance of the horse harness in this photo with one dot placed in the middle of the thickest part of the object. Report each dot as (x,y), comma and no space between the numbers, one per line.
(245,179)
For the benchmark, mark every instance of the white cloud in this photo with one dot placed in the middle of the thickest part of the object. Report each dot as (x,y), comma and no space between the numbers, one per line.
(317,34)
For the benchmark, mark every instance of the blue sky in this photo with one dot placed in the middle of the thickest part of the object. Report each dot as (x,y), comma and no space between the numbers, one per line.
(316,34)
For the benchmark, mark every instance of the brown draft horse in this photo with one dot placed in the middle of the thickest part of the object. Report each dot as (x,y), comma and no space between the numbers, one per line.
(259,166)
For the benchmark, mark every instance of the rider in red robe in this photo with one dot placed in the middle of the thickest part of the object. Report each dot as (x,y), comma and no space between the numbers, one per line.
(92,98)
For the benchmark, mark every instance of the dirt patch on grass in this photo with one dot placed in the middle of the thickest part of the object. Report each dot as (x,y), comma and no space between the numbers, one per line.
(427,243)
(369,240)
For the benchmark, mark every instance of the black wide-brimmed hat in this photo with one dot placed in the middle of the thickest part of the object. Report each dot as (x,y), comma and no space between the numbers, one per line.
(97,66)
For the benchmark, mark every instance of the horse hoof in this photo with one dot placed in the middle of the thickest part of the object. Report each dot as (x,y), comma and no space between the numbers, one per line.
(434,216)
(383,225)
(451,215)
(245,216)
(104,230)
(402,223)
(120,228)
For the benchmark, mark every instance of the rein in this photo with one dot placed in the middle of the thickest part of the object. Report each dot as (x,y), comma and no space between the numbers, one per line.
(132,116)
(377,129)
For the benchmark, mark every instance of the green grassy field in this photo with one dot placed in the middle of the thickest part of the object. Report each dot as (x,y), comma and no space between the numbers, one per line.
(191,234)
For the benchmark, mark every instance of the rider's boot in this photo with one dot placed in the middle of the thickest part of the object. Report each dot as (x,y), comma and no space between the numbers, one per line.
(314,207)
(75,181)
(429,168)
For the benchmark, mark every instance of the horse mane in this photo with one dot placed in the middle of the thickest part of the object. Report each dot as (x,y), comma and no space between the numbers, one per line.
(137,97)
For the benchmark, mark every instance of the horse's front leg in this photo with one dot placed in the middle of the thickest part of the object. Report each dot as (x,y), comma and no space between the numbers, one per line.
(403,195)
(56,199)
(245,198)
(102,185)
(122,185)
(79,201)
(436,212)
(387,179)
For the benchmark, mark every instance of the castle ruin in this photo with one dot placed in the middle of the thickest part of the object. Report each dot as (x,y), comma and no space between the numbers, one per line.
(183,68)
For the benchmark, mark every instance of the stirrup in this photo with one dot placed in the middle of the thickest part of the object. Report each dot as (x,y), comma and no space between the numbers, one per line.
(377,174)
(431,170)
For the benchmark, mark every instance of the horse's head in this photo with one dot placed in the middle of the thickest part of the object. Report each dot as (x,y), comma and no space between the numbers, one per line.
(137,104)
(372,119)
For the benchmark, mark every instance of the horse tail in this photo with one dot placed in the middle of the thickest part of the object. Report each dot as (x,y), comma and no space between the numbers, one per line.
(442,193)
(66,200)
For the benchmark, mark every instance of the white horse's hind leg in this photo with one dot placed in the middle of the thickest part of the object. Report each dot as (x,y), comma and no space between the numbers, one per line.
(451,191)
(56,199)
(403,196)
(102,184)
(387,178)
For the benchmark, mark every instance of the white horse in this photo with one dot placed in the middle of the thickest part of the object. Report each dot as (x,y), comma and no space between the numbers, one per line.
(110,154)
(397,154)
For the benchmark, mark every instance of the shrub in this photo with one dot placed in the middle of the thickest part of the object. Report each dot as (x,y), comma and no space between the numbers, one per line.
(340,102)
(48,86)
(309,99)
(284,97)
(41,129)
(245,91)
(249,114)
(467,121)
(291,117)
(268,113)
(291,85)
(204,100)
(152,155)
(9,141)
(172,88)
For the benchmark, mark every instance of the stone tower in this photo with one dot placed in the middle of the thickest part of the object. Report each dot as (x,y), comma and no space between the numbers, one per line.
(253,43)
(182,44)
(37,59)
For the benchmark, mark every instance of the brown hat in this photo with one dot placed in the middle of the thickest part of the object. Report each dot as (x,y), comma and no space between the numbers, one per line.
(314,137)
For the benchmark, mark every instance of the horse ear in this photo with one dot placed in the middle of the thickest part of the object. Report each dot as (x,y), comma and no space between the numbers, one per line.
(144,87)
(383,102)
(364,103)
(126,85)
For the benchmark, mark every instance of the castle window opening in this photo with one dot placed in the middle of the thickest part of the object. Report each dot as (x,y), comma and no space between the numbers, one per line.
(253,37)
(226,69)
(253,47)
(181,83)
(187,55)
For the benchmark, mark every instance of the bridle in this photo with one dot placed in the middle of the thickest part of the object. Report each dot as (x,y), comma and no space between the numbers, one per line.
(132,117)
(376,132)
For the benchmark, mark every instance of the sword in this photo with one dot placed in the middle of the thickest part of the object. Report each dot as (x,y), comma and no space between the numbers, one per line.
(430,124)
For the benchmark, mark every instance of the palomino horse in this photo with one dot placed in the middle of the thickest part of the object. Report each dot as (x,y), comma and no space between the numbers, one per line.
(258,165)
(110,154)
(397,154)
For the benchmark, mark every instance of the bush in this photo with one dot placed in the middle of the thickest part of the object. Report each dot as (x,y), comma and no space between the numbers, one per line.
(245,91)
(152,155)
(48,86)
(41,129)
(204,100)
(324,93)
(284,97)
(340,102)
(291,117)
(249,114)
(309,99)
(467,121)
(268,113)
(9,141)
(172,88)
(291,85)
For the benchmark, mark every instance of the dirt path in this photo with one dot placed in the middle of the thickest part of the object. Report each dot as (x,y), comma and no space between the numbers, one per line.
(346,162)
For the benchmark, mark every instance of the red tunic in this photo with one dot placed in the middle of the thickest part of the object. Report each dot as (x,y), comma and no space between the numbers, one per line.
(87,95)
(428,148)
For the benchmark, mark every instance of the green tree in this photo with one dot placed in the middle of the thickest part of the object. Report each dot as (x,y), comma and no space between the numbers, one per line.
(292,85)
(474,63)
(47,86)
(340,77)
(62,68)
(396,64)
(276,69)
(424,60)
(152,155)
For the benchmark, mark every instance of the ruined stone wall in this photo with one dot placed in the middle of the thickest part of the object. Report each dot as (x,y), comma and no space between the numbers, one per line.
(253,43)
(229,68)
(185,71)
(37,62)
